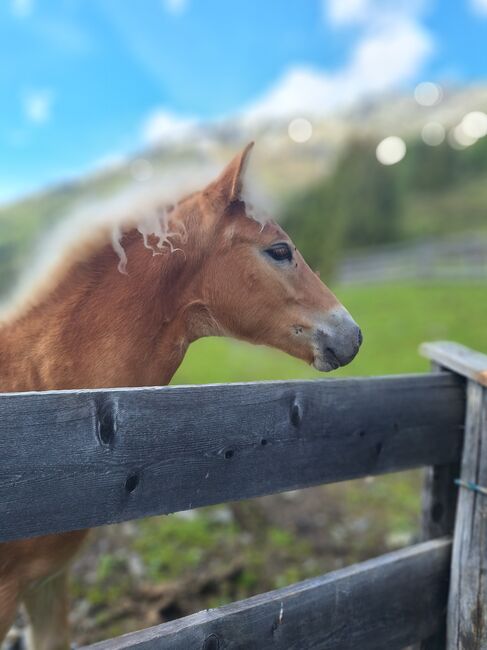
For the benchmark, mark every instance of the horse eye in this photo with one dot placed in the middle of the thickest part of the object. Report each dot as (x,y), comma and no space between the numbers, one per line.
(280,252)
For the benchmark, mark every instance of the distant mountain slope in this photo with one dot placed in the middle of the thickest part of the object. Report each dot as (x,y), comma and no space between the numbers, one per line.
(282,166)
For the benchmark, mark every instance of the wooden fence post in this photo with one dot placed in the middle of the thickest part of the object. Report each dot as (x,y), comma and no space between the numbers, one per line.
(467,603)
(438,507)
(439,499)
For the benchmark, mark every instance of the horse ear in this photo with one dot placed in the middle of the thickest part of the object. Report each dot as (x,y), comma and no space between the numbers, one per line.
(229,185)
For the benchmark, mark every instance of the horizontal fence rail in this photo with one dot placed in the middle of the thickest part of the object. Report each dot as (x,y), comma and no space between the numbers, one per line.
(382,604)
(458,358)
(77,459)
(453,259)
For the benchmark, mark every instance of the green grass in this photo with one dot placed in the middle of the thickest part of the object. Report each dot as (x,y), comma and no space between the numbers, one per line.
(172,547)
(395,319)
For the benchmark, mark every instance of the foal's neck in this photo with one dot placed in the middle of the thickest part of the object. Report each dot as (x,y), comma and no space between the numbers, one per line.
(102,328)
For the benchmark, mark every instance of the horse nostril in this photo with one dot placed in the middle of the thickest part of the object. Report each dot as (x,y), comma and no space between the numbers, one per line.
(360,336)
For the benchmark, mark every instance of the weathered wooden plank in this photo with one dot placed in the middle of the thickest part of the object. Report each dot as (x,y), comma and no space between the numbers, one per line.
(439,501)
(76,459)
(467,605)
(381,604)
(458,358)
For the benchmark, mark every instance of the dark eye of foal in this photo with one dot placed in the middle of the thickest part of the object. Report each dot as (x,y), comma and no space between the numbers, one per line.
(280,252)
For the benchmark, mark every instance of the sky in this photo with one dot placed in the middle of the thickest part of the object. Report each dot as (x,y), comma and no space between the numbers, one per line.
(84,82)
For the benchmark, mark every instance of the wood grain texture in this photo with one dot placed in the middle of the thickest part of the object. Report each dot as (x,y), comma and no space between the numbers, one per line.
(467,608)
(438,509)
(76,459)
(437,519)
(382,604)
(458,358)
(439,498)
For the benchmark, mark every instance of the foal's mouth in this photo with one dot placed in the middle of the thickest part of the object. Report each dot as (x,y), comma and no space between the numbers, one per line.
(328,361)
(332,359)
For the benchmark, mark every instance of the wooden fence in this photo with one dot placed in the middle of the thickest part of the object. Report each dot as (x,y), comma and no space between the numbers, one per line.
(456,258)
(75,459)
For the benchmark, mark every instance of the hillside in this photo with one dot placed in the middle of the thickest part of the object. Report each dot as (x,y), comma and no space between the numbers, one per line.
(284,169)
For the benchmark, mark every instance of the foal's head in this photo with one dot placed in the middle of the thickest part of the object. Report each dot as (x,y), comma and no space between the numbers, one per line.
(256,285)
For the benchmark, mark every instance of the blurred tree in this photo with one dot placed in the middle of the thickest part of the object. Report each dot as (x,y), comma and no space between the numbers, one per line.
(474,158)
(357,206)
(366,197)
(427,168)
(311,221)
(431,192)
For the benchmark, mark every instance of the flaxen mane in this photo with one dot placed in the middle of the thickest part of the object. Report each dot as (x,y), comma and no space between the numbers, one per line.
(88,228)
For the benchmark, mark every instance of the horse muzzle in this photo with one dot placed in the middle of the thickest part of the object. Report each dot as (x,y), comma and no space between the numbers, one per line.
(336,340)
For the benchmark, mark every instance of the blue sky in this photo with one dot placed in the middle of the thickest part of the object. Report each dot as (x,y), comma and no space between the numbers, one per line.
(85,80)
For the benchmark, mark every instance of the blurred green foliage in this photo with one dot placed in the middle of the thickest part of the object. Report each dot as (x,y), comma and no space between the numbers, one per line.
(173,546)
(433,191)
(358,205)
(177,546)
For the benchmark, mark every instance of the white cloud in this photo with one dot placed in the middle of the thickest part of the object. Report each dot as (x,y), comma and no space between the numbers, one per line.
(342,13)
(37,106)
(300,91)
(22,8)
(389,56)
(162,126)
(391,49)
(345,12)
(175,7)
(480,6)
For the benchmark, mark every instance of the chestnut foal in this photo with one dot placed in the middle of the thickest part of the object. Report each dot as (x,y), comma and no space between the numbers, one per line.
(223,274)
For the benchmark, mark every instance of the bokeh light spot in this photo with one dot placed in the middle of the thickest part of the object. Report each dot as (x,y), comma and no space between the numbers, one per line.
(391,150)
(300,130)
(428,93)
(141,170)
(458,139)
(433,133)
(474,124)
